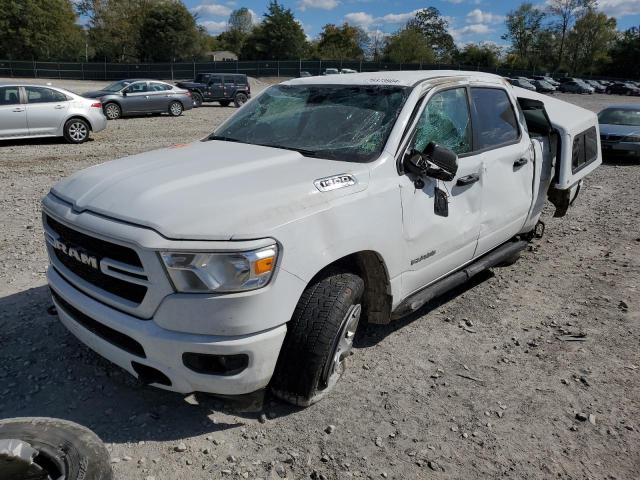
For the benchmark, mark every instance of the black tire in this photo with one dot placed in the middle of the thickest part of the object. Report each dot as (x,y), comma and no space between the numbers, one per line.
(65,449)
(112,110)
(76,130)
(312,360)
(197,99)
(225,103)
(240,99)
(175,109)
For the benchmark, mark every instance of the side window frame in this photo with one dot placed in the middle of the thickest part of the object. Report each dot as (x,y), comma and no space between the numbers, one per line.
(26,95)
(421,105)
(475,118)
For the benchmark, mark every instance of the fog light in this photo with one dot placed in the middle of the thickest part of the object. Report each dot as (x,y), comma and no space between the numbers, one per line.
(225,365)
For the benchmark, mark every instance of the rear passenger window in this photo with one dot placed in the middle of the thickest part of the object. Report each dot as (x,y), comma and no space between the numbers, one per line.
(215,81)
(585,149)
(495,122)
(44,95)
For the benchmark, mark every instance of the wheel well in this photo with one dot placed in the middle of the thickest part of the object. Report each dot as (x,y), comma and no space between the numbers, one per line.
(371,268)
(80,117)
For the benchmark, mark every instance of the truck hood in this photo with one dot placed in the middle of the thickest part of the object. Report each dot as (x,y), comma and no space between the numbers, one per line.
(209,190)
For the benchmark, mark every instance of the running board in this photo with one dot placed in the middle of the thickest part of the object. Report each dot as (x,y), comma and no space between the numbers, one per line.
(491,259)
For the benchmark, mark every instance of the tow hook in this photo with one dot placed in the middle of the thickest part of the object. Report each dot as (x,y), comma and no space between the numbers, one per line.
(538,231)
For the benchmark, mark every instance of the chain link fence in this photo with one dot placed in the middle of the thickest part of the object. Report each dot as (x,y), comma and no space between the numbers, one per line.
(182,71)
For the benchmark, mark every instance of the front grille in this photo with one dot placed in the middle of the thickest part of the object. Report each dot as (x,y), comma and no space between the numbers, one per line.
(133,292)
(112,336)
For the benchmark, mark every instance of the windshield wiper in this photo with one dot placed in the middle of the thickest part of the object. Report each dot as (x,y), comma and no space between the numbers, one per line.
(224,139)
(303,151)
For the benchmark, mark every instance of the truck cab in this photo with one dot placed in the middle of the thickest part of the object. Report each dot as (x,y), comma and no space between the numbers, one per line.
(249,259)
(224,88)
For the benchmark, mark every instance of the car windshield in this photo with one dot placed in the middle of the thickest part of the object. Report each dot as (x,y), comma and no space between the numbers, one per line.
(620,116)
(116,87)
(338,122)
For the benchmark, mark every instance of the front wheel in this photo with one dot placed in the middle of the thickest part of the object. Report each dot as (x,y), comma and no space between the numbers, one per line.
(240,99)
(76,130)
(319,338)
(175,109)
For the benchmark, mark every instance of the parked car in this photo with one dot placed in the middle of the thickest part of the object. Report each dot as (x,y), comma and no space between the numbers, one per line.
(30,111)
(249,260)
(223,88)
(620,130)
(575,87)
(597,86)
(548,79)
(348,70)
(331,71)
(522,83)
(623,88)
(543,86)
(139,96)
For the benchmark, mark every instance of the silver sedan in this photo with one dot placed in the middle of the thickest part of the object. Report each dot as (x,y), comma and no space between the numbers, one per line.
(138,96)
(30,111)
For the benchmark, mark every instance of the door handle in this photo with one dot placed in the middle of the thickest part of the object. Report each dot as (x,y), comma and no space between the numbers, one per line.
(18,109)
(468,180)
(59,107)
(520,163)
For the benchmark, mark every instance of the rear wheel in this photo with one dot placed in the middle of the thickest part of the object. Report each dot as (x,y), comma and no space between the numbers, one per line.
(49,448)
(197,99)
(175,109)
(319,338)
(240,99)
(76,130)
(112,111)
(225,103)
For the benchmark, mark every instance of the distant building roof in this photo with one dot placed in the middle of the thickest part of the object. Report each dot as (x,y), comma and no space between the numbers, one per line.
(220,55)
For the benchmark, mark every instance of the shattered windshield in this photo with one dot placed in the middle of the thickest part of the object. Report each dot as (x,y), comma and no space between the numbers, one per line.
(338,122)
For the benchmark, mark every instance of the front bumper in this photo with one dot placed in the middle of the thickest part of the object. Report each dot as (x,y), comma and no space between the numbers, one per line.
(163,349)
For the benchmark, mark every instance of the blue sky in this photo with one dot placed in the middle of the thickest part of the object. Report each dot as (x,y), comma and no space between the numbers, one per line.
(470,20)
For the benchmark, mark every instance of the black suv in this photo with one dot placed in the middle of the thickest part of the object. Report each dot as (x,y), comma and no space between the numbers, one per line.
(218,87)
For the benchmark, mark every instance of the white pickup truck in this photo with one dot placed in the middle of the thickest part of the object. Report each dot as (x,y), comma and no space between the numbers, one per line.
(248,259)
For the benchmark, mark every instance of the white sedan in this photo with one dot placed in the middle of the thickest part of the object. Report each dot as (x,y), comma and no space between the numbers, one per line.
(30,111)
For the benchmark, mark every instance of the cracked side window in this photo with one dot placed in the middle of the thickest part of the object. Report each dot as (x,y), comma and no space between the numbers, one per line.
(446,121)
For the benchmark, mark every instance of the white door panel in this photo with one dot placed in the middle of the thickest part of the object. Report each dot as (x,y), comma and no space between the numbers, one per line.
(13,115)
(46,110)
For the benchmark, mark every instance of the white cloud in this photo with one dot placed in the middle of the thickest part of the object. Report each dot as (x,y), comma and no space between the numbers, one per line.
(478,16)
(398,17)
(619,8)
(476,28)
(366,20)
(359,18)
(214,27)
(211,10)
(320,4)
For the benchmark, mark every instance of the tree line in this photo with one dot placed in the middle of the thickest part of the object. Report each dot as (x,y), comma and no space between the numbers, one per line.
(571,36)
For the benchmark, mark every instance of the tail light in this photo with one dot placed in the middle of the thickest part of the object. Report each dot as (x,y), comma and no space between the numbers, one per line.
(96,105)
(188,93)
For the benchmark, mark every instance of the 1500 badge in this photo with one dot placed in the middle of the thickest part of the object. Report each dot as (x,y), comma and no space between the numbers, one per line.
(423,257)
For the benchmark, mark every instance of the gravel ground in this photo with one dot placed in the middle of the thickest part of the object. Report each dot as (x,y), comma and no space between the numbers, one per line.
(480,384)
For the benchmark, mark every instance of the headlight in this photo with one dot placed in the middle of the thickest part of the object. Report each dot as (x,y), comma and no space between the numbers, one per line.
(632,138)
(200,272)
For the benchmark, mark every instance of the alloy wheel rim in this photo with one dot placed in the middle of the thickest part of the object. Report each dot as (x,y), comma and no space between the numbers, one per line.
(78,131)
(176,109)
(112,111)
(344,346)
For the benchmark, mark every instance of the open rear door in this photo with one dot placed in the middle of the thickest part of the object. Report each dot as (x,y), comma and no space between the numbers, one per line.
(576,133)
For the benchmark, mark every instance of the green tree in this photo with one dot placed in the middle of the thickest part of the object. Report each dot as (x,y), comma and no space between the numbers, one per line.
(344,42)
(524,25)
(590,41)
(480,55)
(565,12)
(408,45)
(625,55)
(240,27)
(435,30)
(169,33)
(40,30)
(278,37)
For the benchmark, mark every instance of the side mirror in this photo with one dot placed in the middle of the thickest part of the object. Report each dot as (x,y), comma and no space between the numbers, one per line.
(124,93)
(446,160)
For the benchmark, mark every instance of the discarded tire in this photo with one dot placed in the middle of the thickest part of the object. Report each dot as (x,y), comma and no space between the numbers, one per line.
(38,448)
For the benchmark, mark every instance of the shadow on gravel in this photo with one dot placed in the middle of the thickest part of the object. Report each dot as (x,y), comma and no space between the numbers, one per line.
(373,334)
(37,141)
(46,371)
